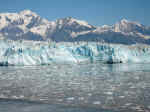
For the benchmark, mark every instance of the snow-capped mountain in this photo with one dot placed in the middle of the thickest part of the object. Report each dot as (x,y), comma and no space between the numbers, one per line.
(68,28)
(133,28)
(22,25)
(28,25)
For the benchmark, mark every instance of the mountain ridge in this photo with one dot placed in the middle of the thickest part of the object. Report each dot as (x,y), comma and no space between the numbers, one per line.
(28,25)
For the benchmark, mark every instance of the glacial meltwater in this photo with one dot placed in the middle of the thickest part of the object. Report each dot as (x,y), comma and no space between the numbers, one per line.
(84,87)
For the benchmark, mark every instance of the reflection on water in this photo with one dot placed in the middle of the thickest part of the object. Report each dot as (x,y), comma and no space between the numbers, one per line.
(119,87)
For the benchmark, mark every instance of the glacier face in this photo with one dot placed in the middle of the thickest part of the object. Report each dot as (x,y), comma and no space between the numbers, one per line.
(44,53)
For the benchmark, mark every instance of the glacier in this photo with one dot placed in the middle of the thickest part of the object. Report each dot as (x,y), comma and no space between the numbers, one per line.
(26,53)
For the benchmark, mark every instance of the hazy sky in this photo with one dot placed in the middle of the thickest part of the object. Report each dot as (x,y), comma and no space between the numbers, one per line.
(96,12)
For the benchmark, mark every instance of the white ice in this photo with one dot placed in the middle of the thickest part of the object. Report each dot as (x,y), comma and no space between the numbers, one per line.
(43,53)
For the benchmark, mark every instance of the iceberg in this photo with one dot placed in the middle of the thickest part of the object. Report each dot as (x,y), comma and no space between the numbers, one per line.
(28,53)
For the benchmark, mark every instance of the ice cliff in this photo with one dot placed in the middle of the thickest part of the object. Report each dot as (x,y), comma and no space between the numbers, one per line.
(44,53)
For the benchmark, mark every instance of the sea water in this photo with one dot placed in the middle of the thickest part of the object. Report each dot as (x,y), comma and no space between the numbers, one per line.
(84,87)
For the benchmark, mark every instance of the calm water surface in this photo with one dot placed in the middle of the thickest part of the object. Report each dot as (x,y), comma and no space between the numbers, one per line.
(87,87)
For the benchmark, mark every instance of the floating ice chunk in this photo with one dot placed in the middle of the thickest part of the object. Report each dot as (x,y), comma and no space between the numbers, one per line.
(97,103)
(70,98)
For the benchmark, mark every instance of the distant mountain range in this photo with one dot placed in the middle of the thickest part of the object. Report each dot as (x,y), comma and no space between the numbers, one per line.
(28,25)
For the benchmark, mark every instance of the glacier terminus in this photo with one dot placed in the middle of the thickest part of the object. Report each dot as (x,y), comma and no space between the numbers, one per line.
(44,53)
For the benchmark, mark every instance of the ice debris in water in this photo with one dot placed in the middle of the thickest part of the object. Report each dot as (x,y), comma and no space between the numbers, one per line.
(41,53)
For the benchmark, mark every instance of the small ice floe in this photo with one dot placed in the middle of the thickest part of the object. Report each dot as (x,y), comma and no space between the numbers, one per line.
(59,100)
(108,93)
(137,77)
(121,96)
(97,103)
(21,96)
(81,98)
(128,104)
(89,94)
(15,97)
(43,99)
(137,108)
(70,98)
(132,87)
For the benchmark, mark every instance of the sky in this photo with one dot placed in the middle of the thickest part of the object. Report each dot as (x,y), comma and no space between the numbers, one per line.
(95,12)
